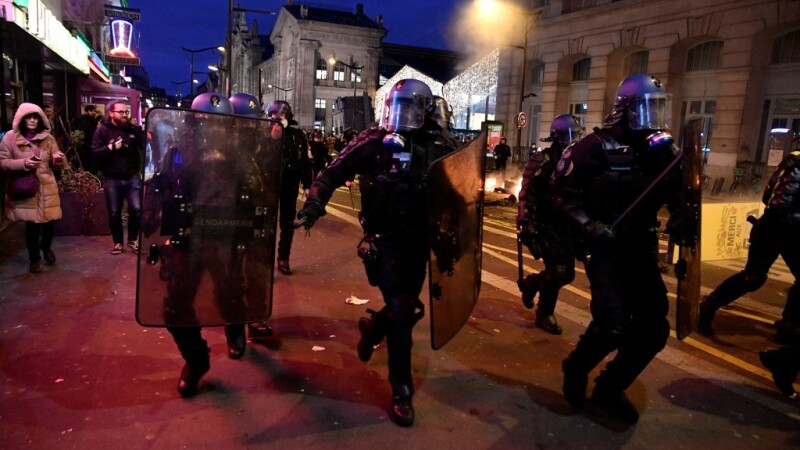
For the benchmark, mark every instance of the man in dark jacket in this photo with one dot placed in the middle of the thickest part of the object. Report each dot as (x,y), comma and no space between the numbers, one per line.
(501,154)
(319,154)
(117,148)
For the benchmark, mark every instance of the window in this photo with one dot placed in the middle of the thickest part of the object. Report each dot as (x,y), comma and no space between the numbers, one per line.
(338,72)
(702,109)
(355,75)
(319,109)
(786,49)
(580,70)
(635,63)
(537,74)
(322,69)
(704,56)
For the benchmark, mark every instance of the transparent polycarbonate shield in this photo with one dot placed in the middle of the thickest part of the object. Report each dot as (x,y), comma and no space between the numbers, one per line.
(687,269)
(209,216)
(455,196)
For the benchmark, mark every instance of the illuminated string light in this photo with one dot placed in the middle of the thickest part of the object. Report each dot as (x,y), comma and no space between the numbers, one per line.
(479,80)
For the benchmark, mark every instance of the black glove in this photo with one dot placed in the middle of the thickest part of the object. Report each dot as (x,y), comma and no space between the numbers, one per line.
(598,232)
(309,214)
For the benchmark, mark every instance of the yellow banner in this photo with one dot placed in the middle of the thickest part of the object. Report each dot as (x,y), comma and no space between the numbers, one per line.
(725,232)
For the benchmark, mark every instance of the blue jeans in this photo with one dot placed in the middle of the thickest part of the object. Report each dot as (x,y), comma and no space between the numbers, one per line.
(116,191)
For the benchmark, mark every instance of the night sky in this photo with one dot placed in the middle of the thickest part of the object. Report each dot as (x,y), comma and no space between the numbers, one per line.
(166,26)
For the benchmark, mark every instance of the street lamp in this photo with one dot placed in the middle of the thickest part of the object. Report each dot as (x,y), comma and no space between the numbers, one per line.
(272,86)
(333,61)
(191,53)
(229,39)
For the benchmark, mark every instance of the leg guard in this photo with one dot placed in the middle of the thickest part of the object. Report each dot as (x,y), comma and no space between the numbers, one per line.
(194,350)
(373,329)
(637,348)
(593,346)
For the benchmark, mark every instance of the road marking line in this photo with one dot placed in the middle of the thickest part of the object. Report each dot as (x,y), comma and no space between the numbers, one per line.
(586,295)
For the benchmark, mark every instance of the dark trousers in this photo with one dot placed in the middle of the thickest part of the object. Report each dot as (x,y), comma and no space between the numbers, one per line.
(768,239)
(117,191)
(38,238)
(629,310)
(558,255)
(402,264)
(290,185)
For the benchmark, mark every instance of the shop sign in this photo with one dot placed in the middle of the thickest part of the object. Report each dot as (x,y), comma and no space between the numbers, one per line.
(44,26)
(130,14)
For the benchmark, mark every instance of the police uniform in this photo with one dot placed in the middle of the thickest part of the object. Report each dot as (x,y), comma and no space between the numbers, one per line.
(596,180)
(544,234)
(394,217)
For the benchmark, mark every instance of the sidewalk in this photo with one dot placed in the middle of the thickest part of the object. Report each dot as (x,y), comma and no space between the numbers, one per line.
(79,372)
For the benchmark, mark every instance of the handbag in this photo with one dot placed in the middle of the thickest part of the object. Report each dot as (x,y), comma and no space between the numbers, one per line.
(20,187)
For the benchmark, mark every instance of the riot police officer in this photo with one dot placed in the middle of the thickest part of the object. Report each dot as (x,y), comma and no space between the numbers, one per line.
(595,181)
(775,233)
(541,230)
(392,162)
(296,171)
(187,174)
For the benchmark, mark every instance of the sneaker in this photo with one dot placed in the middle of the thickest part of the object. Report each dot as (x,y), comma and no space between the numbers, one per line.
(133,246)
(117,249)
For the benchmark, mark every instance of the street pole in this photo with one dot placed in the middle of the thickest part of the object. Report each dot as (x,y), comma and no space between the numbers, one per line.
(527,17)
(354,94)
(228,45)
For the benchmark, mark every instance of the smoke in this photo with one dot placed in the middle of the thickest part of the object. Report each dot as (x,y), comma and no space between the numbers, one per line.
(480,26)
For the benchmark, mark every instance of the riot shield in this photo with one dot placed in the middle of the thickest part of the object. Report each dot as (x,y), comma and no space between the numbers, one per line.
(687,269)
(209,216)
(455,197)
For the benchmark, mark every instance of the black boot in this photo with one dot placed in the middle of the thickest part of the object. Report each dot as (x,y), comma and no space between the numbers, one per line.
(529,286)
(35,266)
(575,382)
(283,267)
(373,330)
(402,410)
(194,350)
(707,311)
(49,257)
(548,323)
(784,370)
(190,378)
(237,343)
(259,330)
(615,403)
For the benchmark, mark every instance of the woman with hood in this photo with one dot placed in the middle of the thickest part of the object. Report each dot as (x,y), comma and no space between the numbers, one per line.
(30,146)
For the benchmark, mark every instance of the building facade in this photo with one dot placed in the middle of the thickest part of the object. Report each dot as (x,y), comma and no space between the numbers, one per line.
(320,56)
(733,63)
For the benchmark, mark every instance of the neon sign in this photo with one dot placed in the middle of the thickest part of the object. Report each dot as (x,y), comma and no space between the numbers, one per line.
(121,38)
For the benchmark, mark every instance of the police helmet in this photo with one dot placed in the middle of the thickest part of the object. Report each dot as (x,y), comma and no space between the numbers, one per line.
(565,129)
(441,113)
(406,105)
(213,103)
(280,109)
(245,105)
(642,98)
